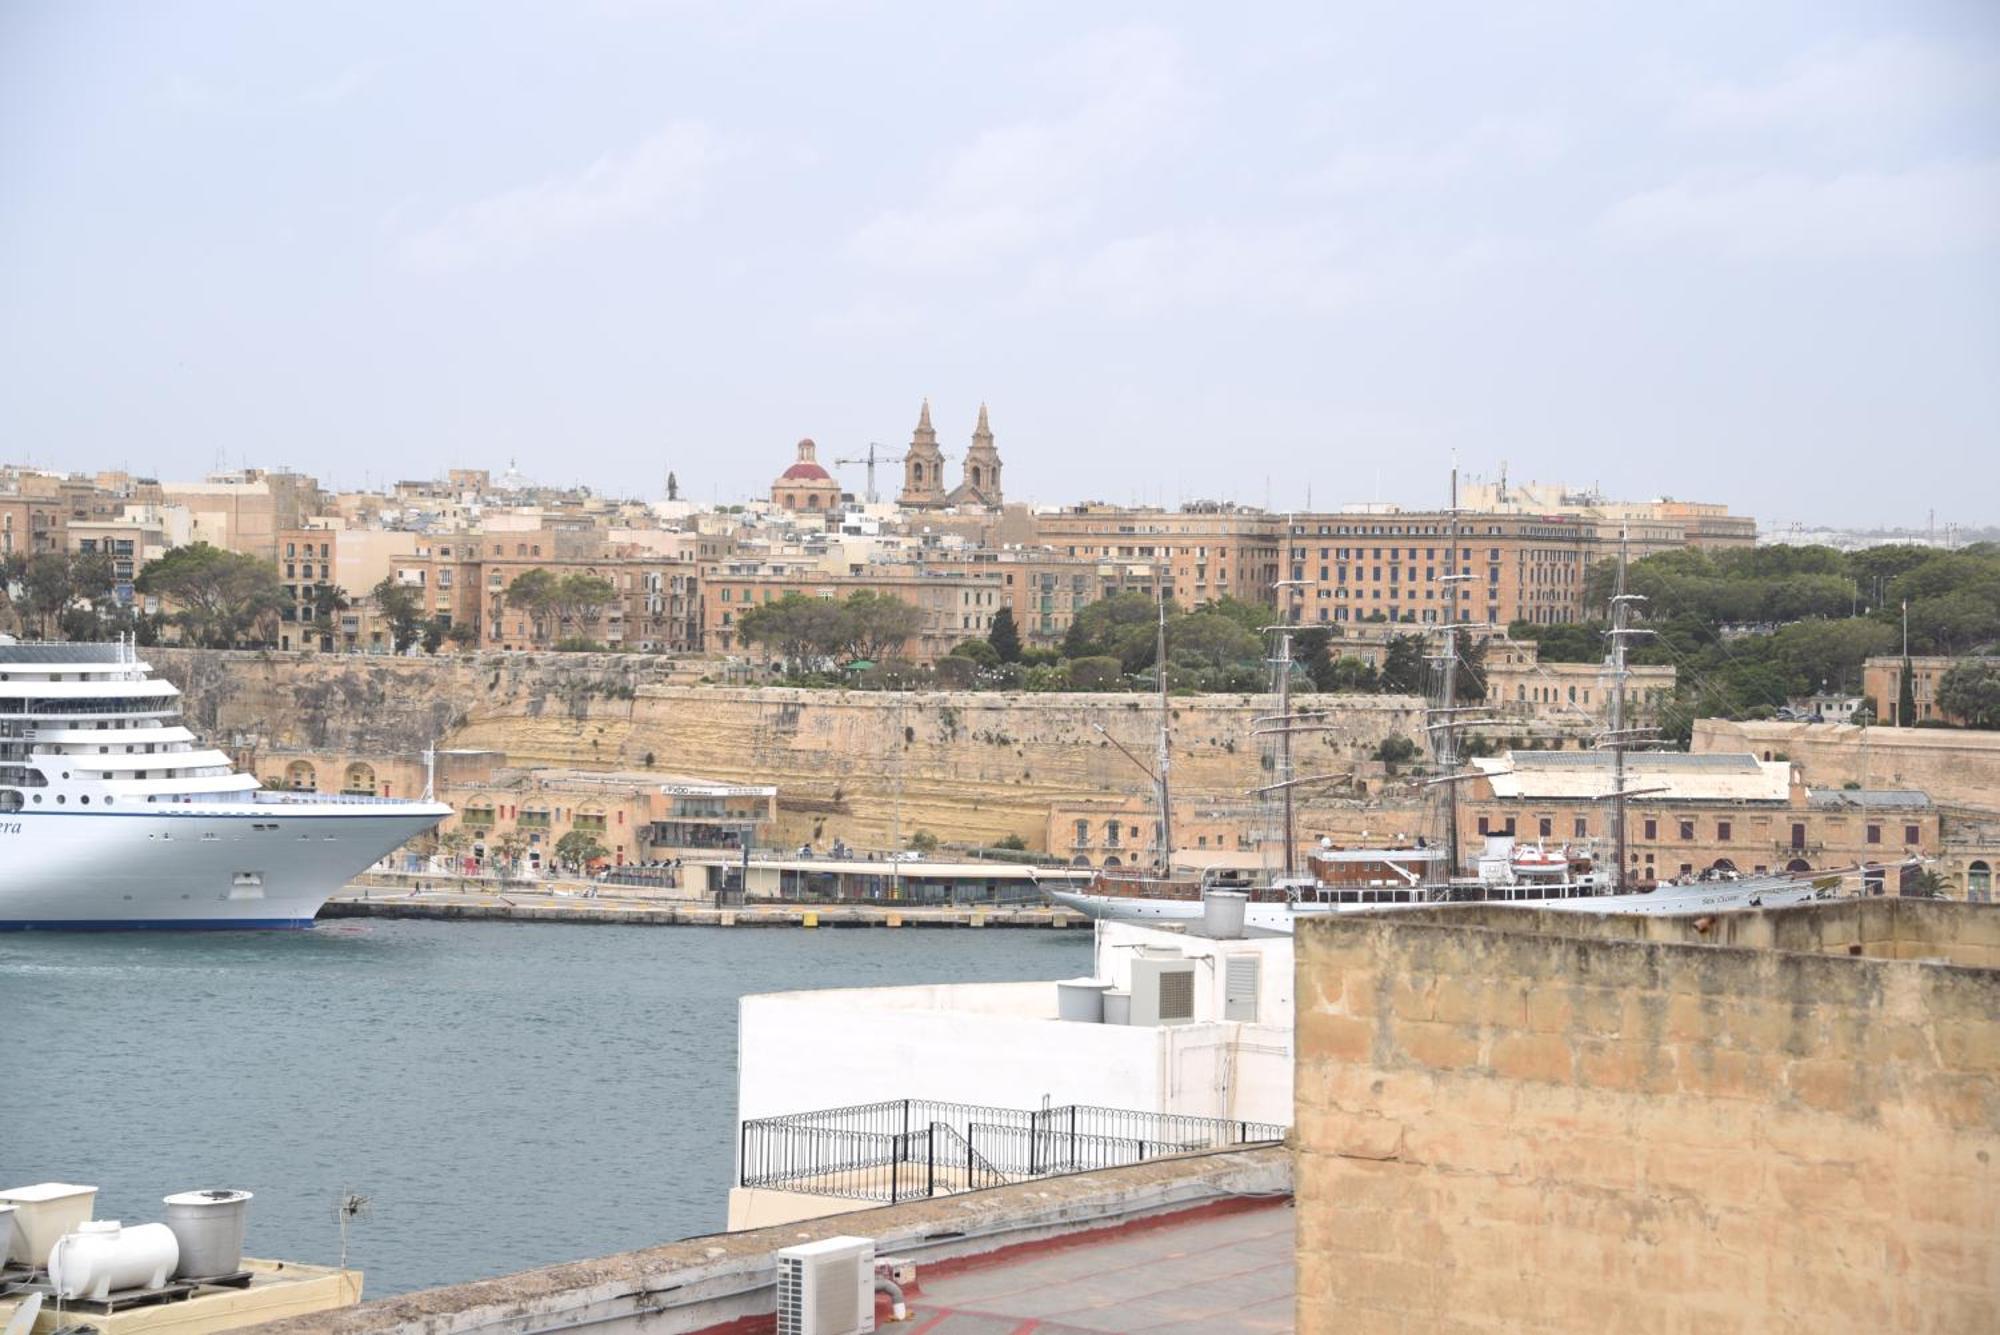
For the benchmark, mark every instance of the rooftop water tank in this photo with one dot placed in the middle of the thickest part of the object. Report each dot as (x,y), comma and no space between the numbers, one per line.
(1222,914)
(101,1255)
(43,1213)
(1117,1006)
(209,1227)
(1081,1000)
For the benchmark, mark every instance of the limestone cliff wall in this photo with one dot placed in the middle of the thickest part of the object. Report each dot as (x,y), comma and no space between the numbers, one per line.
(964,765)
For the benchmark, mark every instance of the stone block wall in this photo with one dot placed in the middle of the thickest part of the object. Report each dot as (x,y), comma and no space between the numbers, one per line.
(870,767)
(1590,1124)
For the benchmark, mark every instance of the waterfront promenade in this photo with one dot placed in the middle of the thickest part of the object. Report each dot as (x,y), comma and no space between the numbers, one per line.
(572,903)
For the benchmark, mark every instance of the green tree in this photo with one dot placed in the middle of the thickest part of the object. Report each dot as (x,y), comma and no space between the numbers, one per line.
(534,592)
(1253,617)
(1122,626)
(1210,640)
(57,585)
(981,652)
(1005,637)
(1396,750)
(561,607)
(1906,695)
(1348,674)
(402,607)
(218,599)
(1403,665)
(1096,672)
(878,624)
(1971,691)
(802,630)
(324,607)
(578,849)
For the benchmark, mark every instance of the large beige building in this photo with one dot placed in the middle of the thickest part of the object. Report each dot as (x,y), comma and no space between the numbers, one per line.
(1209,552)
(1385,564)
(1882,682)
(1694,813)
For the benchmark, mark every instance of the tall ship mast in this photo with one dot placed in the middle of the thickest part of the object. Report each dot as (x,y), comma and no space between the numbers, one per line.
(1618,737)
(113,814)
(1164,760)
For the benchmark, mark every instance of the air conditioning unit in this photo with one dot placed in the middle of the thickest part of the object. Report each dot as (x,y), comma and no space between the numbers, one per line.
(1162,991)
(827,1287)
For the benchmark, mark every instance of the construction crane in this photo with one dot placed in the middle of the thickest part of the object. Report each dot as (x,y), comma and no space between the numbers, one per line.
(871,459)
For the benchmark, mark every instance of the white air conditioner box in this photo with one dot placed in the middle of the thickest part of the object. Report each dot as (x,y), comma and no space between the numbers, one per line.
(827,1287)
(1162,991)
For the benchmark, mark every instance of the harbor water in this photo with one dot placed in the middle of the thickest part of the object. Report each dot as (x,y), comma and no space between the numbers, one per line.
(506,1096)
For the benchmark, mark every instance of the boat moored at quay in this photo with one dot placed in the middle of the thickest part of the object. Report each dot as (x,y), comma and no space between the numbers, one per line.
(113,815)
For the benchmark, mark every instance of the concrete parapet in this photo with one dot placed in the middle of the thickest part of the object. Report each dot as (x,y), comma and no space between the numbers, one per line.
(710,1282)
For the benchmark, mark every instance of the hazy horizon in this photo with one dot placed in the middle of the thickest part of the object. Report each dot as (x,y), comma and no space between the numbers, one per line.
(1749,256)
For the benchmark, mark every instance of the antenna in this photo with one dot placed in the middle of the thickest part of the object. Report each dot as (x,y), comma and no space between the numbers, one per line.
(353,1205)
(1166,749)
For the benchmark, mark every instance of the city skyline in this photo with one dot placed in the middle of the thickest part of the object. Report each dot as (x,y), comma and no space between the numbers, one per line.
(1180,256)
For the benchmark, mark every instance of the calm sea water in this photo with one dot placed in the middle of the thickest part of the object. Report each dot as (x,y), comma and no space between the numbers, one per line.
(507,1095)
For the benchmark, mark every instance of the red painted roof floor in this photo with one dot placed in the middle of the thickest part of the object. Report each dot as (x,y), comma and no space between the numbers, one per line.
(1211,1273)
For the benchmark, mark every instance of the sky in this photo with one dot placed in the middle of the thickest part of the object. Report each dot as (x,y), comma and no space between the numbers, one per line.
(1284,254)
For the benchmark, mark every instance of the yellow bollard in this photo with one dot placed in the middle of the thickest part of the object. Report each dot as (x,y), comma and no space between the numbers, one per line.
(894,920)
(809,919)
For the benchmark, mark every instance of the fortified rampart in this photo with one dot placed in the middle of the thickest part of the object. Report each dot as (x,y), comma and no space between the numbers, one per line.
(1956,767)
(971,766)
(1566,1122)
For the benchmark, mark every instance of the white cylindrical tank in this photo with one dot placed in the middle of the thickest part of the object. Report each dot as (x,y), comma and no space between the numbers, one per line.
(1222,913)
(209,1227)
(102,1256)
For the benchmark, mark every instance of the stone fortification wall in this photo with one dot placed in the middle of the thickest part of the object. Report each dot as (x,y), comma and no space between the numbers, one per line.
(1956,767)
(1583,1130)
(963,765)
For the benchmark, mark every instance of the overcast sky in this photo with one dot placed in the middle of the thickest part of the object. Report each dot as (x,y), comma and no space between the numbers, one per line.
(1738,252)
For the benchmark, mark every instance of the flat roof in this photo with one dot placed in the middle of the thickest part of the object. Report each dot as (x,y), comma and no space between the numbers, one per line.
(1195,1272)
(1706,777)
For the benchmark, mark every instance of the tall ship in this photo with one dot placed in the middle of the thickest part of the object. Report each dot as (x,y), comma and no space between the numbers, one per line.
(1425,872)
(113,815)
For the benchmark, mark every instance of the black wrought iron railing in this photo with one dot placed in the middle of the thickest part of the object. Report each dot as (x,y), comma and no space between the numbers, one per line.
(906,1149)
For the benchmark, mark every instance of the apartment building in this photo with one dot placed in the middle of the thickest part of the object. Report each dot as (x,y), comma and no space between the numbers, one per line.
(1209,551)
(1385,564)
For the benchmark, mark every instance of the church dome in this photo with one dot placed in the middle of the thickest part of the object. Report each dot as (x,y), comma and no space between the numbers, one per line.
(806,469)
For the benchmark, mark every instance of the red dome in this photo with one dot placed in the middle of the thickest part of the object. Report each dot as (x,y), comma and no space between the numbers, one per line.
(805,472)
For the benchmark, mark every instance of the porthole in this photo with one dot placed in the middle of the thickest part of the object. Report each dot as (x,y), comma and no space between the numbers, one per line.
(60,799)
(85,799)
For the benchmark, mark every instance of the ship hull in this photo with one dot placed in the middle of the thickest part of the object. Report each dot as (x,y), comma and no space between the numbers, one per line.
(257,866)
(1664,901)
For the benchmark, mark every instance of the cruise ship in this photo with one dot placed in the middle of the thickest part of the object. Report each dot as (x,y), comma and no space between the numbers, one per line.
(113,815)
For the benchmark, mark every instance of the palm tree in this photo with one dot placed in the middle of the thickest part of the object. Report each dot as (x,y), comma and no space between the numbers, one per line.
(1927,883)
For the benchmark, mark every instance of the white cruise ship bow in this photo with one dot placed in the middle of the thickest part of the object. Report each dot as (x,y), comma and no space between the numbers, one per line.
(114,816)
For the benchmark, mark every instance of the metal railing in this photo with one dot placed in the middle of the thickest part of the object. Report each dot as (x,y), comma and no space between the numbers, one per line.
(906,1149)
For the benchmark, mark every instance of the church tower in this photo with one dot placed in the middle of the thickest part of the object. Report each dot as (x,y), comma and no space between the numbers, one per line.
(982,469)
(923,466)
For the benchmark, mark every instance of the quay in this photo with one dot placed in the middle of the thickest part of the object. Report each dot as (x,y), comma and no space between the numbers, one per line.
(514,905)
